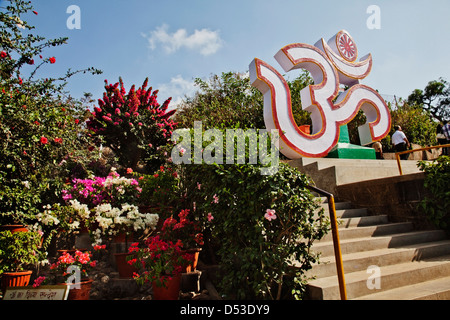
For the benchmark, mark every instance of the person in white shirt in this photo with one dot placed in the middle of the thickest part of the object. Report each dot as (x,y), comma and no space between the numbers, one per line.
(400,142)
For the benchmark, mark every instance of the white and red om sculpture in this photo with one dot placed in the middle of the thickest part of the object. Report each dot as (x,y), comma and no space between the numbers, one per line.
(330,64)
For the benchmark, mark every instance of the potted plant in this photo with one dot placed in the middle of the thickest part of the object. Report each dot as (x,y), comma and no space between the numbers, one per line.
(160,262)
(72,270)
(188,231)
(19,252)
(127,221)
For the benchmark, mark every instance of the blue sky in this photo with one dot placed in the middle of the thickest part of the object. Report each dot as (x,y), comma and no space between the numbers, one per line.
(172,42)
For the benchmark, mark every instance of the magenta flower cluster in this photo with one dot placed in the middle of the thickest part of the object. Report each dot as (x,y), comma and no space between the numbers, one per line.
(112,189)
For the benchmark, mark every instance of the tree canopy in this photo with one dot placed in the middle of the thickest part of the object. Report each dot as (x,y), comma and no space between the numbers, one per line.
(435,98)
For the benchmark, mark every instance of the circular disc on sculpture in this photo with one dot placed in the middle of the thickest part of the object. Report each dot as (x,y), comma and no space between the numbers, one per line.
(346,46)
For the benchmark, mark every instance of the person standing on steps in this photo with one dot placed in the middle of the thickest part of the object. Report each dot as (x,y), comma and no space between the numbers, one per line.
(400,142)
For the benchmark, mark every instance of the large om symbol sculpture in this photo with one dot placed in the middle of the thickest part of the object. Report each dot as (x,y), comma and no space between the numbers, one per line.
(330,64)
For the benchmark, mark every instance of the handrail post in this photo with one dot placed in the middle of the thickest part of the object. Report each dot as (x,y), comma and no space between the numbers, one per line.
(337,248)
(397,157)
(336,243)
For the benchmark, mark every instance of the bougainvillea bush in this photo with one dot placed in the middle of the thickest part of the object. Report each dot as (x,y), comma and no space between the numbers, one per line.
(134,125)
(108,205)
(158,261)
(41,132)
(113,189)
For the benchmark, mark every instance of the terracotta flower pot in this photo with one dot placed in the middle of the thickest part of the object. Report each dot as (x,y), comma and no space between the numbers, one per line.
(15,279)
(14,228)
(170,291)
(125,270)
(82,293)
(122,237)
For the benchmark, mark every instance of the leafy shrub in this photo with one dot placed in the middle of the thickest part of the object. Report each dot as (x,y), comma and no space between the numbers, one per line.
(160,189)
(259,225)
(19,250)
(436,205)
(41,132)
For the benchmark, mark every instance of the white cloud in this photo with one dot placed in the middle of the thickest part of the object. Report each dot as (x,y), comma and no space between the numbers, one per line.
(177,88)
(205,41)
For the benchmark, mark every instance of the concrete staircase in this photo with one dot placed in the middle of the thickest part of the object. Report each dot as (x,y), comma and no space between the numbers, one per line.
(382,260)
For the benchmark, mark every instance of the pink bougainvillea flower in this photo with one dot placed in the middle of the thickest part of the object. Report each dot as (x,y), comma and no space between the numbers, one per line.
(44,140)
(270,214)
(216,198)
(210,217)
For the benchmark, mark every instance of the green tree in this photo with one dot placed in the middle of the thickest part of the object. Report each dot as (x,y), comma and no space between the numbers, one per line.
(301,116)
(230,101)
(416,123)
(435,98)
(226,101)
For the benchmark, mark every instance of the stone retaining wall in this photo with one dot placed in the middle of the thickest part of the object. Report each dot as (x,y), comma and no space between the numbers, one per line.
(396,197)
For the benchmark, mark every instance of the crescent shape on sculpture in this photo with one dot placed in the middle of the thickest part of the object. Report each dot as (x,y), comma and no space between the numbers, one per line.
(349,72)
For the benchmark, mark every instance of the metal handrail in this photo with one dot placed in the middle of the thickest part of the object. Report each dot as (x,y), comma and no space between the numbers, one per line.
(398,154)
(336,243)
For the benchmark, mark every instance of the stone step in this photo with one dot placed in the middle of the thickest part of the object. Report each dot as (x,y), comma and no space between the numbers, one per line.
(337,205)
(360,261)
(369,231)
(346,213)
(379,242)
(390,277)
(438,289)
(351,213)
(362,221)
